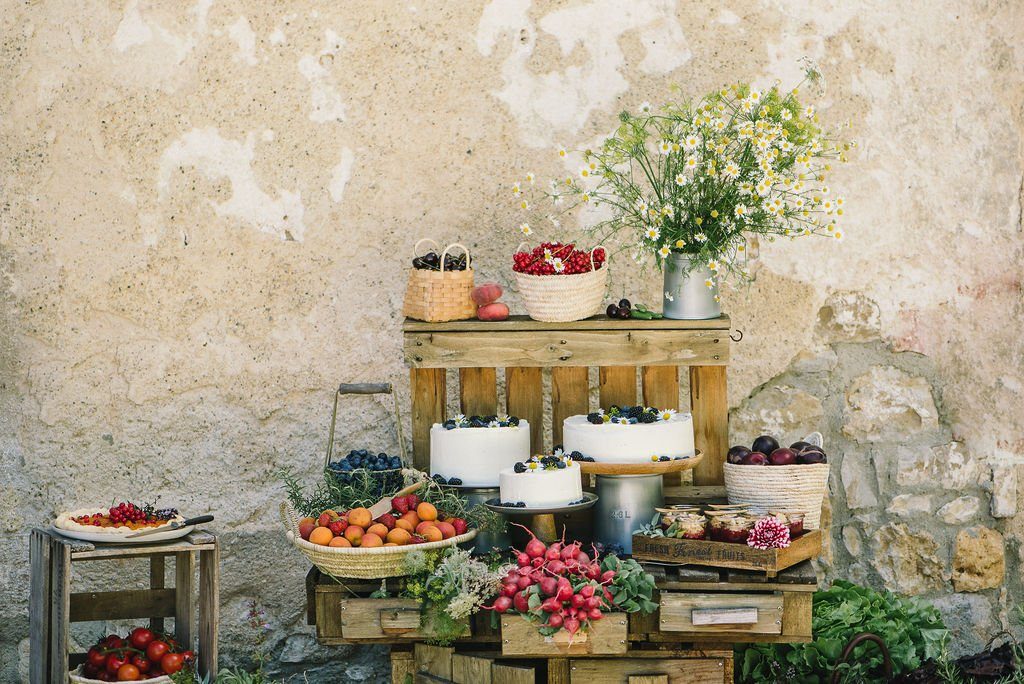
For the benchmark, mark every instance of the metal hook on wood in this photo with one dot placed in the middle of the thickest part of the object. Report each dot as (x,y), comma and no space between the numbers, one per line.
(736,339)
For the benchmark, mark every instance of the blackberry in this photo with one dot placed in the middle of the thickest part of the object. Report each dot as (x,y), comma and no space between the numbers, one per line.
(588,459)
(664,458)
(439,479)
(635,412)
(166,513)
(477,422)
(595,418)
(576,456)
(647,417)
(513,421)
(455,481)
(520,504)
(519,467)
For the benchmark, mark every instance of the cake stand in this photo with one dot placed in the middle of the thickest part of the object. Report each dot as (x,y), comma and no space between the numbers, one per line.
(476,495)
(628,493)
(542,520)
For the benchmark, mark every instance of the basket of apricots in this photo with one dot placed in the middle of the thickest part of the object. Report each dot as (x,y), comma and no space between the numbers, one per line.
(354,544)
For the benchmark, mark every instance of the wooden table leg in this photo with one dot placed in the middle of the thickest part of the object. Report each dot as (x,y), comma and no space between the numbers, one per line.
(39,614)
(60,611)
(184,606)
(209,609)
(157,579)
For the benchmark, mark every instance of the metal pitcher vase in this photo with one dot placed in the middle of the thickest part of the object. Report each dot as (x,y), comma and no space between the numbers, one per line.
(686,295)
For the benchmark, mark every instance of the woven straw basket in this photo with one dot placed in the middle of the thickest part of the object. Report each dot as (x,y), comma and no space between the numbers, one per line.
(75,677)
(438,296)
(356,563)
(562,298)
(780,488)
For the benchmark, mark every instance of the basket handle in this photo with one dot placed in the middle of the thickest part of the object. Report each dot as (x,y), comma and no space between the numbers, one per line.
(445,253)
(521,245)
(365,388)
(416,247)
(593,266)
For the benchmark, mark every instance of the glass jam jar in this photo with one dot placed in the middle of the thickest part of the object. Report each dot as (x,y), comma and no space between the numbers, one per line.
(731,527)
(691,526)
(792,519)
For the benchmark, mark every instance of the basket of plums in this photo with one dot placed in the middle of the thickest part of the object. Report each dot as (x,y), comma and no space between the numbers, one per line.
(770,476)
(440,284)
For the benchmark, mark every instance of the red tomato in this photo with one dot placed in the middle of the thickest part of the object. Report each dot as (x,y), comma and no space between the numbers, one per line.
(90,670)
(189,656)
(113,641)
(172,662)
(140,638)
(142,662)
(114,662)
(128,673)
(156,650)
(96,658)
(104,676)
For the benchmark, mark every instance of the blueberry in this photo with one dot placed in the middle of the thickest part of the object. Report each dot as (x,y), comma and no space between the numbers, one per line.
(664,458)
(519,467)
(561,464)
(382,456)
(520,504)
(396,462)
(455,482)
(439,479)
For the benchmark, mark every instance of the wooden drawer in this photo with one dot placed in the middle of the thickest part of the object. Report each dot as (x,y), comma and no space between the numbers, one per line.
(650,670)
(376,619)
(607,636)
(713,613)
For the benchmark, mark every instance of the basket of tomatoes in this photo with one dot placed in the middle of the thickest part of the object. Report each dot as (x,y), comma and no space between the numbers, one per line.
(141,656)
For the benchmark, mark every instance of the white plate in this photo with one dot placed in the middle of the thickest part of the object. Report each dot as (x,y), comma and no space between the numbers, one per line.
(118,539)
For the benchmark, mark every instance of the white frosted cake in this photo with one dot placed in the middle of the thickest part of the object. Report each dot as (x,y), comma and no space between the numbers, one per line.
(620,437)
(473,456)
(542,483)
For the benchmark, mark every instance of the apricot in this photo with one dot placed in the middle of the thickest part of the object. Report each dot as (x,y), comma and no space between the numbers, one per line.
(390,544)
(412,518)
(432,534)
(403,524)
(342,542)
(399,536)
(426,511)
(370,540)
(321,536)
(354,533)
(424,525)
(360,517)
(378,529)
(447,529)
(306,525)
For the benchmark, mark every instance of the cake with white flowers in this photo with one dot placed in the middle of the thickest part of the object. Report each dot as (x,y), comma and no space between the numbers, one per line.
(471,451)
(541,482)
(630,434)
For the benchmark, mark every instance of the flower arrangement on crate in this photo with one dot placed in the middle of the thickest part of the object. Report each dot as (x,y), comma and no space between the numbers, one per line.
(562,587)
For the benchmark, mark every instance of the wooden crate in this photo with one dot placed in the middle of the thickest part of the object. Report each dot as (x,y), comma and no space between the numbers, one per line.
(537,355)
(726,555)
(607,636)
(53,606)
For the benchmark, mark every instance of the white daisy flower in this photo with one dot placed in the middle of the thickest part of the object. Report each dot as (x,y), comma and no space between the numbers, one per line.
(668,211)
(547,255)
(665,146)
(652,233)
(731,171)
(691,142)
(681,179)
(525,228)
(691,163)
(622,420)
(494,423)
(558,265)
(585,197)
(460,418)
(524,205)
(562,152)
(713,265)
(667,414)
(809,111)
(786,114)
(645,108)
(664,251)
(700,237)
(680,244)
(709,283)
(530,178)
(516,190)
(755,95)
(584,172)
(740,210)
(838,235)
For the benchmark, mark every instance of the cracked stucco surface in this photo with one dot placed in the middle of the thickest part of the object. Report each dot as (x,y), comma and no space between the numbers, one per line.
(205,210)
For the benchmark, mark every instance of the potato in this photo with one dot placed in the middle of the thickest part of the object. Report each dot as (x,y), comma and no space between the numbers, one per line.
(486,293)
(496,311)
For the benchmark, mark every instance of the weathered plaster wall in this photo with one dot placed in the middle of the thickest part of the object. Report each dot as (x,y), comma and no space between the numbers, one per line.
(205,210)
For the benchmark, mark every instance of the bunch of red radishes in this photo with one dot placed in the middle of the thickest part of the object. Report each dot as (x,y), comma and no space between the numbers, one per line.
(559,586)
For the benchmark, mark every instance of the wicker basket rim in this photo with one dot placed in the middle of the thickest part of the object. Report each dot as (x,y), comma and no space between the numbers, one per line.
(531,276)
(773,468)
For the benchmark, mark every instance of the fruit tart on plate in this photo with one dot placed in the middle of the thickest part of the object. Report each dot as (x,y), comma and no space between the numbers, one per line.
(116,523)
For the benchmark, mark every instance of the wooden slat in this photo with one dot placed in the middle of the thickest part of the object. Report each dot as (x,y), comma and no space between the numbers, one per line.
(559,671)
(39,604)
(328,614)
(608,636)
(660,386)
(403,666)
(689,494)
(209,610)
(471,669)
(648,679)
(157,579)
(678,671)
(525,323)
(570,396)
(184,612)
(60,610)
(796,614)
(696,613)
(503,673)
(434,660)
(478,391)
(617,385)
(560,348)
(110,551)
(726,555)
(710,406)
(122,605)
(525,399)
(429,394)
(675,585)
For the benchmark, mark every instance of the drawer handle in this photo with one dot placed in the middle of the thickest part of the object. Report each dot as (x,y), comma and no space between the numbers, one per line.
(723,616)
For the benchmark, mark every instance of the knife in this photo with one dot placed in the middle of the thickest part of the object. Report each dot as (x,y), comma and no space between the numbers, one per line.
(172,526)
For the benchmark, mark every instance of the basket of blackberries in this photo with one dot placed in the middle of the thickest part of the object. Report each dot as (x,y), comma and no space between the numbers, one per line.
(440,284)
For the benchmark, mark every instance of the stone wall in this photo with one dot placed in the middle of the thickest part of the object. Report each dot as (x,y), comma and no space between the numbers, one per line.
(206,209)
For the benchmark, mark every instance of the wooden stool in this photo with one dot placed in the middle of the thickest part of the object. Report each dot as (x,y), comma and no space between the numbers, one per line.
(53,607)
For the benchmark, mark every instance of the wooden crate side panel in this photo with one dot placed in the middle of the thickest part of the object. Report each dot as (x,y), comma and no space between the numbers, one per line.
(525,399)
(617,385)
(478,391)
(429,395)
(748,613)
(503,673)
(434,660)
(796,614)
(710,406)
(471,669)
(403,666)
(39,602)
(559,348)
(185,609)
(570,396)
(60,608)
(209,610)
(122,605)
(677,671)
(374,619)
(157,579)
(608,636)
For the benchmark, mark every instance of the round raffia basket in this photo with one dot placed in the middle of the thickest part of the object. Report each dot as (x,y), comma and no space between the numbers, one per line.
(357,563)
(75,677)
(438,296)
(562,298)
(780,488)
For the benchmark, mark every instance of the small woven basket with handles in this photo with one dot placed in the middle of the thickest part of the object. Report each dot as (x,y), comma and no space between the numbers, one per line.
(781,488)
(560,298)
(438,296)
